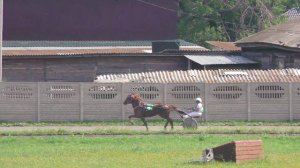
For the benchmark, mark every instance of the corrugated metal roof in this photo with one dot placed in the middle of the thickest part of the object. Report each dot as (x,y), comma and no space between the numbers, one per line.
(102,51)
(206,76)
(40,48)
(40,52)
(87,43)
(219,59)
(224,46)
(286,35)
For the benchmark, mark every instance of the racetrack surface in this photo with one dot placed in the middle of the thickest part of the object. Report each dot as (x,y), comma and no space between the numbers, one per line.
(139,128)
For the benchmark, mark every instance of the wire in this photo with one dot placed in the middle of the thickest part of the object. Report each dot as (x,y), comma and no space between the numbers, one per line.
(155,5)
(173,10)
(205,18)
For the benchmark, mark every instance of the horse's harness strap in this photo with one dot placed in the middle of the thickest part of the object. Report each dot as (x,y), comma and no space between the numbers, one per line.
(147,107)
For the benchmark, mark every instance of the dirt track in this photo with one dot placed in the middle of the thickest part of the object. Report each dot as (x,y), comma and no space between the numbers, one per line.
(153,128)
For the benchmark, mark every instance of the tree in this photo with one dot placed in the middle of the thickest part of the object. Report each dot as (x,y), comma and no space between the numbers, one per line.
(228,20)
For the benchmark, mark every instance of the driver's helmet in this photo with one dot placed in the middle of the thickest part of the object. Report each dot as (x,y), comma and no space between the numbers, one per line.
(198,99)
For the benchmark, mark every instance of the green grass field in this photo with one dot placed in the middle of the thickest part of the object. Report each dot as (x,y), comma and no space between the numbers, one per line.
(137,151)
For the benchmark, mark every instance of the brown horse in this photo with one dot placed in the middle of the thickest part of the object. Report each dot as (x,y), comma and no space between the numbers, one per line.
(141,111)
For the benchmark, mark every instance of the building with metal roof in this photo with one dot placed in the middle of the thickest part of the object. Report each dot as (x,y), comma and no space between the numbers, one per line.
(285,36)
(78,61)
(277,47)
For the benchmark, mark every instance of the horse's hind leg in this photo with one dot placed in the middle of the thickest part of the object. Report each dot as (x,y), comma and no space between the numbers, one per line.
(165,127)
(171,122)
(145,123)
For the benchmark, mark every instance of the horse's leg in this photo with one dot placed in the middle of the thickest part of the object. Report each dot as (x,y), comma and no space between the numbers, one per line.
(145,123)
(169,120)
(166,116)
(130,121)
(165,127)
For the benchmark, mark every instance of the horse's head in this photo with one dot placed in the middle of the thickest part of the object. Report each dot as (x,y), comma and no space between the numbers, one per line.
(129,99)
(132,98)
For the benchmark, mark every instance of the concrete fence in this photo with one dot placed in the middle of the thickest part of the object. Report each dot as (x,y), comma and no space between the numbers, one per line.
(103,101)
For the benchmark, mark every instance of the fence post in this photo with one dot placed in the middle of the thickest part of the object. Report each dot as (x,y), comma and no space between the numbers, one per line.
(38,102)
(122,106)
(291,101)
(249,102)
(165,93)
(206,102)
(81,102)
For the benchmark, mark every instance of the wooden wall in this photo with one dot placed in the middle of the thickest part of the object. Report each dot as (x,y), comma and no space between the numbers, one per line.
(273,58)
(23,70)
(106,65)
(85,69)
(70,70)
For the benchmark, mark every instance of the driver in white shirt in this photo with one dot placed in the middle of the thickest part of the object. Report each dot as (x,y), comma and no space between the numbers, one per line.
(197,110)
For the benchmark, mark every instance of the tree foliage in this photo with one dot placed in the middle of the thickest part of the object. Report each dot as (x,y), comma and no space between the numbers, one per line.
(228,20)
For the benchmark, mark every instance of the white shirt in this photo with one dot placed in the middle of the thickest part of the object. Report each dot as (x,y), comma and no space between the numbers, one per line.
(199,108)
(197,111)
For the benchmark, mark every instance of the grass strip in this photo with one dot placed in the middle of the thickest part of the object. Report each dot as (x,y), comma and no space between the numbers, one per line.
(153,151)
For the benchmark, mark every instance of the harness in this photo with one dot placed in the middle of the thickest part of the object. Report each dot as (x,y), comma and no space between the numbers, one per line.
(149,107)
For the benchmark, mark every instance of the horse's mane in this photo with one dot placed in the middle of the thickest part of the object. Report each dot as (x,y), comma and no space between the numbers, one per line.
(137,97)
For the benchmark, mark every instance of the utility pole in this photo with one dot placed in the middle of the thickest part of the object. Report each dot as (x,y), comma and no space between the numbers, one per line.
(1,37)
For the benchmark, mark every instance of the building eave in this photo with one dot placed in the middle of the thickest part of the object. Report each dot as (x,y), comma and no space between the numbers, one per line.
(267,45)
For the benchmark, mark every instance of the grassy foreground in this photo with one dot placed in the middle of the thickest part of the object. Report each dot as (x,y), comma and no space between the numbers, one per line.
(137,151)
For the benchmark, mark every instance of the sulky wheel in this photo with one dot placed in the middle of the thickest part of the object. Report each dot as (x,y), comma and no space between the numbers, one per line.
(190,123)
